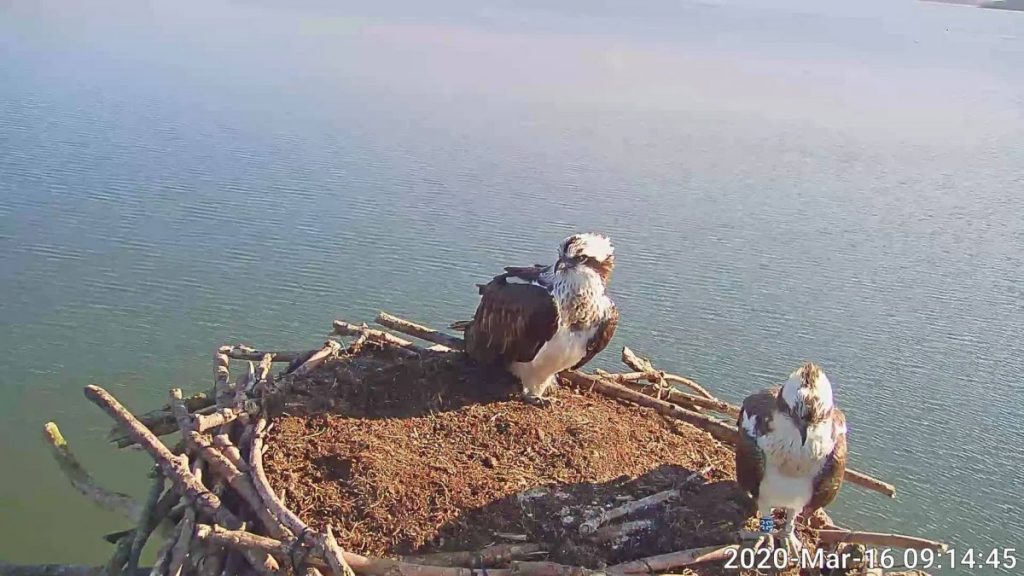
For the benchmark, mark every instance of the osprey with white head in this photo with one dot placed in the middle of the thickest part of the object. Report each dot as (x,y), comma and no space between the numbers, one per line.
(791,452)
(537,321)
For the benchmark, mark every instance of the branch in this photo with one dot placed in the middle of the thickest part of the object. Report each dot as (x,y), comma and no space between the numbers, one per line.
(386,339)
(655,564)
(640,381)
(616,531)
(162,417)
(864,481)
(335,555)
(720,430)
(243,352)
(485,558)
(84,482)
(403,347)
(241,540)
(146,525)
(629,358)
(222,467)
(275,507)
(58,570)
(605,516)
(419,331)
(878,539)
(180,549)
(329,349)
(194,492)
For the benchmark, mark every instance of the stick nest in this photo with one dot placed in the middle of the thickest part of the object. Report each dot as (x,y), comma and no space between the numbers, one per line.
(413,456)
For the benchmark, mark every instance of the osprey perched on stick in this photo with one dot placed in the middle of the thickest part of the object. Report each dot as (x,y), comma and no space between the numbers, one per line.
(791,452)
(536,322)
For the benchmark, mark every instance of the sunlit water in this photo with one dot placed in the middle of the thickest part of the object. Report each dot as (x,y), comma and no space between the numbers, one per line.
(817,181)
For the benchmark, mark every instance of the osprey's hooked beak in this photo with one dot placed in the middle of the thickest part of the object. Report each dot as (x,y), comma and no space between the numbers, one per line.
(802,425)
(563,263)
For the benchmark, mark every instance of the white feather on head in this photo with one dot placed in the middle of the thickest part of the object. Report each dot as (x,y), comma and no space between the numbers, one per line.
(807,385)
(590,244)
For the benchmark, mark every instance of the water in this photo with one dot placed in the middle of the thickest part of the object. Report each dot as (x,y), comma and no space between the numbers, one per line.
(837,182)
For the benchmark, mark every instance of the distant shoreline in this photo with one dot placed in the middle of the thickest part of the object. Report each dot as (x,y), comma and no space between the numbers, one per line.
(1008,5)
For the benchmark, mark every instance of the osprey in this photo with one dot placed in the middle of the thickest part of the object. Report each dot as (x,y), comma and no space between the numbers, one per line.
(537,321)
(791,452)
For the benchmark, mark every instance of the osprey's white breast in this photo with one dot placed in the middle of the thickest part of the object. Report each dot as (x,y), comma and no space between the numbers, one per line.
(790,464)
(564,350)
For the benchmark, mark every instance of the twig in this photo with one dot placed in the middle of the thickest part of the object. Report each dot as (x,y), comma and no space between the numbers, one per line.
(122,550)
(224,469)
(159,419)
(616,531)
(864,481)
(400,345)
(173,468)
(58,570)
(654,564)
(180,549)
(419,331)
(640,381)
(335,555)
(222,390)
(487,557)
(720,430)
(631,359)
(146,525)
(879,539)
(371,566)
(83,481)
(230,451)
(243,352)
(222,416)
(329,349)
(590,526)
(163,556)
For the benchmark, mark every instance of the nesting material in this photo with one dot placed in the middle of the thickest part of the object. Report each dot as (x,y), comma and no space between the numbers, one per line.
(386,457)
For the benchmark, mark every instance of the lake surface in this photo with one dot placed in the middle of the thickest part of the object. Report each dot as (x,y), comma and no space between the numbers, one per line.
(806,180)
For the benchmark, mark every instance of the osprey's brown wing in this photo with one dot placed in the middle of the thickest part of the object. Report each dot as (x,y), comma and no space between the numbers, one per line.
(512,322)
(830,479)
(601,338)
(750,459)
(528,273)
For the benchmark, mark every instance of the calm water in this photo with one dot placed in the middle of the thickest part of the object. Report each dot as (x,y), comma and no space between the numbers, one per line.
(835,182)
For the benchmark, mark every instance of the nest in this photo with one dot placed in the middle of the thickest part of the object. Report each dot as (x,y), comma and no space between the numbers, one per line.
(388,457)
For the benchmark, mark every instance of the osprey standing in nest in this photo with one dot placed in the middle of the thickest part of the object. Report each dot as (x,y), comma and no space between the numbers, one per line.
(791,452)
(536,322)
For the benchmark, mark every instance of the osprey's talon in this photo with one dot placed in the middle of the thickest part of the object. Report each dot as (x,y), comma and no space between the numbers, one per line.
(539,401)
(793,545)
